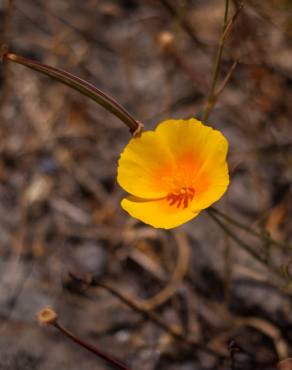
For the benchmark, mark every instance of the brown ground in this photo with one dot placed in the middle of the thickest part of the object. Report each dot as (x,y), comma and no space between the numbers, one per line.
(59,201)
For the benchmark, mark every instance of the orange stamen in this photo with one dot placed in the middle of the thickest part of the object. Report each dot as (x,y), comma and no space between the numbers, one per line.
(182,197)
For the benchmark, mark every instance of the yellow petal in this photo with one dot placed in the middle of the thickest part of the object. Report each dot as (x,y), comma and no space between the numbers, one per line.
(200,156)
(182,136)
(210,186)
(193,137)
(139,164)
(212,179)
(157,213)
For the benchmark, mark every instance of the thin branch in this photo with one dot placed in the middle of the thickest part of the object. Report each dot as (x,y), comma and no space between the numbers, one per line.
(117,363)
(47,316)
(149,315)
(230,24)
(244,246)
(226,28)
(250,230)
(224,82)
(88,36)
(216,70)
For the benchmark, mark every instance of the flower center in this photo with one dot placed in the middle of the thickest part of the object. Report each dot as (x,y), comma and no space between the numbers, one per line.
(181,197)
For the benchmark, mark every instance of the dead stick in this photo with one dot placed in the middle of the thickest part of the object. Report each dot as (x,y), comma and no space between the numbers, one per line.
(149,315)
(47,316)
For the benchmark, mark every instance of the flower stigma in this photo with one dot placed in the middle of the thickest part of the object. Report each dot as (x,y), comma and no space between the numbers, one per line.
(181,197)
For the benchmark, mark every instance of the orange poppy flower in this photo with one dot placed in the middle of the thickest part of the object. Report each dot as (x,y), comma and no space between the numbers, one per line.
(174,172)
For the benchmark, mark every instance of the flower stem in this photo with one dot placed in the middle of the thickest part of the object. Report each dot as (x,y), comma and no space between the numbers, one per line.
(248,229)
(226,28)
(83,87)
(244,246)
(150,315)
(216,70)
(118,364)
(48,316)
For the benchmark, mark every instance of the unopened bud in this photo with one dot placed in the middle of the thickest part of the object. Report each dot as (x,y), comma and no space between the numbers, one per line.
(166,40)
(47,316)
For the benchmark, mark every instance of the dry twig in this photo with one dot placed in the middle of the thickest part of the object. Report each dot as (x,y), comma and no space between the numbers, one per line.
(150,315)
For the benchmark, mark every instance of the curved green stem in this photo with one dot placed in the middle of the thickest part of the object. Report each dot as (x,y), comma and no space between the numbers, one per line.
(83,87)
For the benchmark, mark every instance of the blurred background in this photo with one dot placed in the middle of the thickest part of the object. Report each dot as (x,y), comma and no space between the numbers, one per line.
(60,212)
